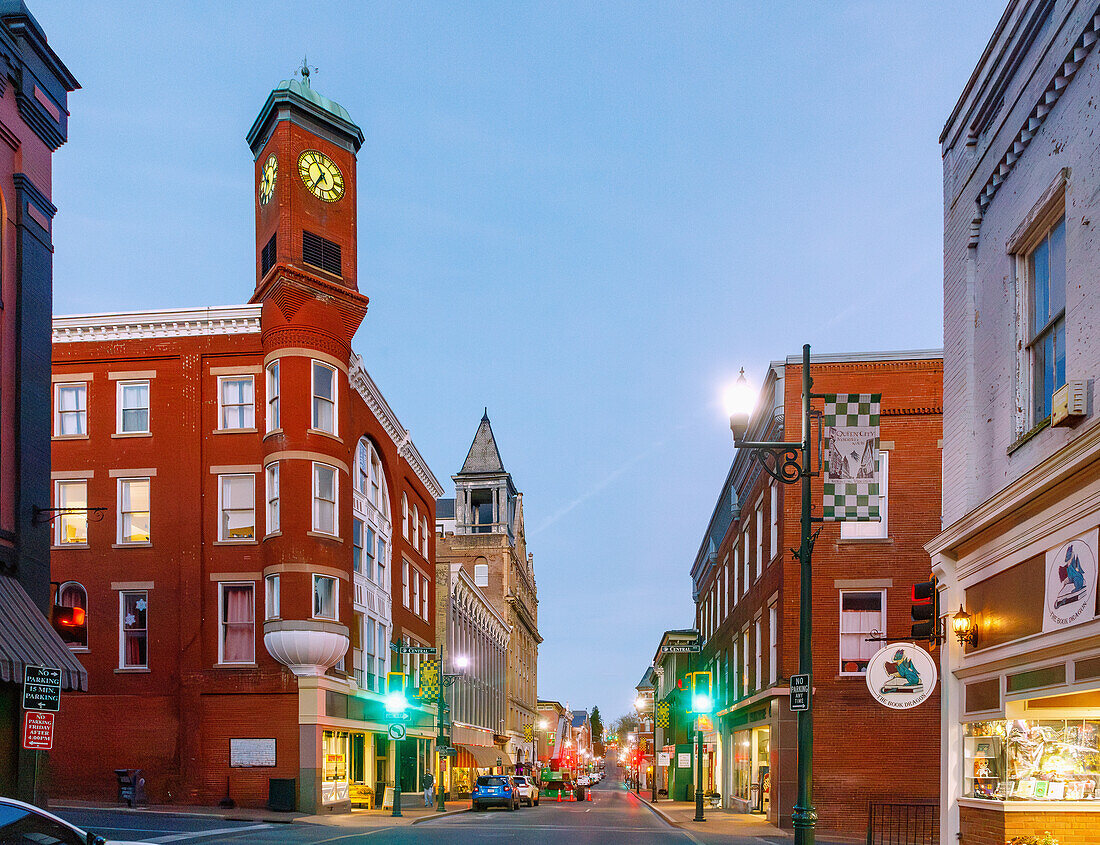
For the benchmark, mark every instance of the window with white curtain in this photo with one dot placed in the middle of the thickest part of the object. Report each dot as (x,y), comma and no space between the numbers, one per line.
(273,413)
(271,477)
(324,499)
(133,511)
(133,407)
(861,612)
(70,409)
(324,397)
(236,403)
(237,506)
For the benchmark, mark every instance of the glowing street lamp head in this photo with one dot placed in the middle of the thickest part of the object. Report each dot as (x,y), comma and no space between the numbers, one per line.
(462,661)
(639,703)
(543,724)
(739,399)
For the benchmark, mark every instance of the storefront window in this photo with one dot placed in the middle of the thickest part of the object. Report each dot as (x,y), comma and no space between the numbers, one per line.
(1035,760)
(335,752)
(742,764)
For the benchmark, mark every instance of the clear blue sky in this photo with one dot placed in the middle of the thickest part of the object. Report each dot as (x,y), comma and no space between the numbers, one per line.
(585,216)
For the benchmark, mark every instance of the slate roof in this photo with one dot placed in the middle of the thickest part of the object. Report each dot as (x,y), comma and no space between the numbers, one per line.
(484,457)
(445,508)
(580,718)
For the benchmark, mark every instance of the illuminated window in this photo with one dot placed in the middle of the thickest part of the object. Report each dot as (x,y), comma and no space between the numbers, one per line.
(133,634)
(133,510)
(71,526)
(773,643)
(70,409)
(237,506)
(73,594)
(237,618)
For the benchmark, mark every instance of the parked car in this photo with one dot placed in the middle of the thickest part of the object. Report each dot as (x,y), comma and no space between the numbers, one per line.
(21,822)
(527,790)
(584,780)
(495,791)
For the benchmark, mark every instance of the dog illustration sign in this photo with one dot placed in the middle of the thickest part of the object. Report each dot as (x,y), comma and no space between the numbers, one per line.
(901,675)
(1071,582)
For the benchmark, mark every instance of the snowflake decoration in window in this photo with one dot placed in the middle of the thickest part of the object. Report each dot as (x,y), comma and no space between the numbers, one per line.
(141,604)
(130,620)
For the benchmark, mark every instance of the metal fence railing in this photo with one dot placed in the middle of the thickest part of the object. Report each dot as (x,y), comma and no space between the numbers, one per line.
(903,823)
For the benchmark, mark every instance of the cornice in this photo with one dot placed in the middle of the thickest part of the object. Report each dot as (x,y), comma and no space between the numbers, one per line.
(153,325)
(1038,115)
(364,385)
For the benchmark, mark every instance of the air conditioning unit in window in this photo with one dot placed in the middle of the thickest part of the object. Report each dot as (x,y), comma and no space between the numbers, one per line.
(1070,403)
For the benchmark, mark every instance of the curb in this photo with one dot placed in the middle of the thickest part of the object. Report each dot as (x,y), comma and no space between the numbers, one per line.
(169,812)
(440,815)
(653,808)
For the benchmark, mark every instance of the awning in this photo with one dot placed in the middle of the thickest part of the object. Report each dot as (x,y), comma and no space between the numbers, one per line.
(486,756)
(26,639)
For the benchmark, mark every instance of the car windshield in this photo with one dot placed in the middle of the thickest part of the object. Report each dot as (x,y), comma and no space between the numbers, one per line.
(522,780)
(491,781)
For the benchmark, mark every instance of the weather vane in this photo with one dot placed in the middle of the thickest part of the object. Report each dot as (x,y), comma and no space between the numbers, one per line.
(304,70)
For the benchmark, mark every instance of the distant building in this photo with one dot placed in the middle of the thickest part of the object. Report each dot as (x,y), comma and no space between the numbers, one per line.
(488,543)
(746,591)
(1021,440)
(552,729)
(676,740)
(647,756)
(34,123)
(265,538)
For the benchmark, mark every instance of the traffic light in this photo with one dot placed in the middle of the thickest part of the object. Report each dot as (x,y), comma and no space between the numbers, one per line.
(396,703)
(925,612)
(701,700)
(71,623)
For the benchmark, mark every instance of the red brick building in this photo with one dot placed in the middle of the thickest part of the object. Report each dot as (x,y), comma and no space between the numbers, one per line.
(746,588)
(263,537)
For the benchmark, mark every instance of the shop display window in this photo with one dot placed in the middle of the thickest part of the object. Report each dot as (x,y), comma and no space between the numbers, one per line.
(1032,760)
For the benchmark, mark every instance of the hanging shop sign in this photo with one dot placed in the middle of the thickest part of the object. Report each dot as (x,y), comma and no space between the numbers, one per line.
(851,479)
(1071,582)
(663,758)
(901,675)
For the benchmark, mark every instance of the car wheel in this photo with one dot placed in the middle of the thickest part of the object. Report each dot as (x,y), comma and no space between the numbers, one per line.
(476,807)
(511,806)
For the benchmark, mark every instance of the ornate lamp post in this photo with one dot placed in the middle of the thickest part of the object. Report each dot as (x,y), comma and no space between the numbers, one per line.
(789,463)
(446,680)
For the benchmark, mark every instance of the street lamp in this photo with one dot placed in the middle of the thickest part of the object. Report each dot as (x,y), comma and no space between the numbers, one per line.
(446,680)
(788,463)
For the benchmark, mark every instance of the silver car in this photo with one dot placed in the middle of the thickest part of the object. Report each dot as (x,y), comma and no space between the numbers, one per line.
(25,823)
(529,793)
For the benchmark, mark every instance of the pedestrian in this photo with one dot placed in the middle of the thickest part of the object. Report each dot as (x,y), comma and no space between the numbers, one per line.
(429,791)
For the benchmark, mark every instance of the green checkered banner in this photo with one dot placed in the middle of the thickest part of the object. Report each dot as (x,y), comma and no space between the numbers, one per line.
(851,490)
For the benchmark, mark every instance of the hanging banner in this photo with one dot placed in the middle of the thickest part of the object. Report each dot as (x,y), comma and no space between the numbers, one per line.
(1071,583)
(901,675)
(851,480)
(429,680)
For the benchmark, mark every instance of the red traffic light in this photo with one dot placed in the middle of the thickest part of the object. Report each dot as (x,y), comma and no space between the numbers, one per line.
(70,617)
(70,623)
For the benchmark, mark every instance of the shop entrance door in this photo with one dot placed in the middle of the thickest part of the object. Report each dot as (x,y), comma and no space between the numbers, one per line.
(381,762)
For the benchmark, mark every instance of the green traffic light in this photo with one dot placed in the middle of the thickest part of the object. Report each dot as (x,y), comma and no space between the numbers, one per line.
(396,702)
(701,703)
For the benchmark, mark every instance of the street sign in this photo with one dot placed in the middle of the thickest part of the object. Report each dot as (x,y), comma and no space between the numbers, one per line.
(663,758)
(42,689)
(683,648)
(401,648)
(38,731)
(800,692)
(448,752)
(397,731)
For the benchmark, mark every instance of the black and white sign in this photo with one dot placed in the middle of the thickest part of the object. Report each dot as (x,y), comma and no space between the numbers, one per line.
(800,692)
(42,689)
(251,753)
(683,648)
(401,648)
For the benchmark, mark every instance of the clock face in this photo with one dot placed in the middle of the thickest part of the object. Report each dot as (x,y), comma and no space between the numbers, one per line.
(321,175)
(267,180)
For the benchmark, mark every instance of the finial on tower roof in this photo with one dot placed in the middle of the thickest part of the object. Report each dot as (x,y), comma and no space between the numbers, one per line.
(485,416)
(304,71)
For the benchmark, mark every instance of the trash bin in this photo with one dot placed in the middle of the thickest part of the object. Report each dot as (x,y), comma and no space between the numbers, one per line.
(282,794)
(131,786)
(578,792)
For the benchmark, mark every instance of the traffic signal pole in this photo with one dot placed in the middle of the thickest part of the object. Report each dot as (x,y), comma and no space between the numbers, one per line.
(698,774)
(396,778)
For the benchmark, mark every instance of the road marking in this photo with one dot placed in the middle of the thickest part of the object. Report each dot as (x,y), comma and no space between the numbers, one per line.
(200,834)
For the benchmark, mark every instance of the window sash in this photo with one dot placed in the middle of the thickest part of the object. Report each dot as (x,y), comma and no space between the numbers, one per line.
(72,525)
(237,616)
(71,403)
(1045,269)
(238,507)
(273,395)
(405,583)
(272,492)
(236,402)
(325,597)
(853,530)
(856,624)
(324,397)
(272,597)
(324,499)
(134,510)
(133,630)
(133,407)
(381,563)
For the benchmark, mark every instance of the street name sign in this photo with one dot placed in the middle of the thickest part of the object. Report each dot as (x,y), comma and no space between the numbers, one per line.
(401,648)
(448,752)
(397,731)
(38,731)
(42,689)
(800,692)
(683,648)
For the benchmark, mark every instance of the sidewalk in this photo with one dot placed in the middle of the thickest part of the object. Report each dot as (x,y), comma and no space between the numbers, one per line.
(728,823)
(354,819)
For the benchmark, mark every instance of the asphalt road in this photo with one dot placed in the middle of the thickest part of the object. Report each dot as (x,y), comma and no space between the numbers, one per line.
(613,817)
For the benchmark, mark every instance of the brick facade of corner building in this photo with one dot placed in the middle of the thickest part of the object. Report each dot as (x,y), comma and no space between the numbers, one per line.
(746,587)
(263,510)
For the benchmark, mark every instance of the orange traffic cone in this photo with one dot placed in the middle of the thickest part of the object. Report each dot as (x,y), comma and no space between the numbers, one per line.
(559,796)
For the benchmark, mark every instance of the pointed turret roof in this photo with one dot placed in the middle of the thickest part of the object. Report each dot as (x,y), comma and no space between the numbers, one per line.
(484,457)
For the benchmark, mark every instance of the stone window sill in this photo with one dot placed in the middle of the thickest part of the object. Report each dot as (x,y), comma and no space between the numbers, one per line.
(322,535)
(132,670)
(234,431)
(131,545)
(125,434)
(69,437)
(856,541)
(1024,438)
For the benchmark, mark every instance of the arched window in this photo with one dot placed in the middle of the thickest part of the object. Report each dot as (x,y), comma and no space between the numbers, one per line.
(416,526)
(481,572)
(405,515)
(370,479)
(73,594)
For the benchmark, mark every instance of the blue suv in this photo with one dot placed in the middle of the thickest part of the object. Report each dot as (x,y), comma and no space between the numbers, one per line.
(495,791)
